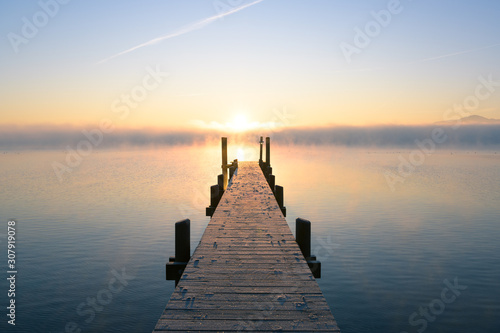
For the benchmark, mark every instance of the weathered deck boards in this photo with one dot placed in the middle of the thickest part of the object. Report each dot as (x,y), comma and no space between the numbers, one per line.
(248,273)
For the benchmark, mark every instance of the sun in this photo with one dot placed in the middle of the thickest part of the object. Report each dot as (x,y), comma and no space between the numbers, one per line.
(240,123)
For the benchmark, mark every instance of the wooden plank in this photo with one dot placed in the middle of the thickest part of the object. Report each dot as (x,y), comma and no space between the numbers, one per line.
(238,313)
(260,321)
(248,272)
(246,303)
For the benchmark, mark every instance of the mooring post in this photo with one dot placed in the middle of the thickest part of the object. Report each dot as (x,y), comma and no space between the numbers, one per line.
(176,265)
(220,182)
(224,162)
(303,238)
(272,182)
(216,191)
(182,241)
(269,172)
(278,193)
(214,195)
(232,169)
(261,142)
(303,231)
(268,151)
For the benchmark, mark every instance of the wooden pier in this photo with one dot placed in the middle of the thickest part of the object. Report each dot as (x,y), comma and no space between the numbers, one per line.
(247,273)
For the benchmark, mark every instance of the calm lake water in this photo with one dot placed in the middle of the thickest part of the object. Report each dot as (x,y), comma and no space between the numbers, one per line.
(387,256)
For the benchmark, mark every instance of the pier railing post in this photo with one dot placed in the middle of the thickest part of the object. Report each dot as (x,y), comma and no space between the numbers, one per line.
(176,265)
(303,238)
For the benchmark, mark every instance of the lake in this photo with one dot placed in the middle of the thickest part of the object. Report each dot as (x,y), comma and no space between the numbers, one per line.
(423,256)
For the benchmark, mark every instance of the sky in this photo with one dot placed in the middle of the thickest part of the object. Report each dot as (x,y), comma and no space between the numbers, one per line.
(220,64)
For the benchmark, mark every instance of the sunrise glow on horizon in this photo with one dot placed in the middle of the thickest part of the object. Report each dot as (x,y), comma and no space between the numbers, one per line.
(239,66)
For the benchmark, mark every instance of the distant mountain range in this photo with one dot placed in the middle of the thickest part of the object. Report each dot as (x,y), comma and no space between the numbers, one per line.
(471,120)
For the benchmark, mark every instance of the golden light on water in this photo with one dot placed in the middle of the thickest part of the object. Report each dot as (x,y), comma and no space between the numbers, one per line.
(240,154)
(243,152)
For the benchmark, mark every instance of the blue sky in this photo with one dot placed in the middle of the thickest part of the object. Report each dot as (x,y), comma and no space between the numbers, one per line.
(272,54)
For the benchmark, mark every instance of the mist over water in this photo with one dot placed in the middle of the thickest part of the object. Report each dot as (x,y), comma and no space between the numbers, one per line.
(385,254)
(455,135)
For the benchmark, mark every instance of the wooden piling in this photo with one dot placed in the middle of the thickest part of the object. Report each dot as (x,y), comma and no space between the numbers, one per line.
(278,193)
(176,265)
(272,182)
(182,240)
(232,168)
(214,195)
(261,142)
(268,151)
(269,171)
(224,163)
(303,236)
(220,181)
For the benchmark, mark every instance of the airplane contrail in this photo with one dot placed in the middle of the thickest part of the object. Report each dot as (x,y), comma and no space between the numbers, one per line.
(193,26)
(452,54)
(443,56)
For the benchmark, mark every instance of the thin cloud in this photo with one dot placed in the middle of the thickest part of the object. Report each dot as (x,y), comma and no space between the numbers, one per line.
(191,27)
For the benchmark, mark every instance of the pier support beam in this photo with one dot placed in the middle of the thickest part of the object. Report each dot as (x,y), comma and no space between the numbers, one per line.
(176,265)
(303,237)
